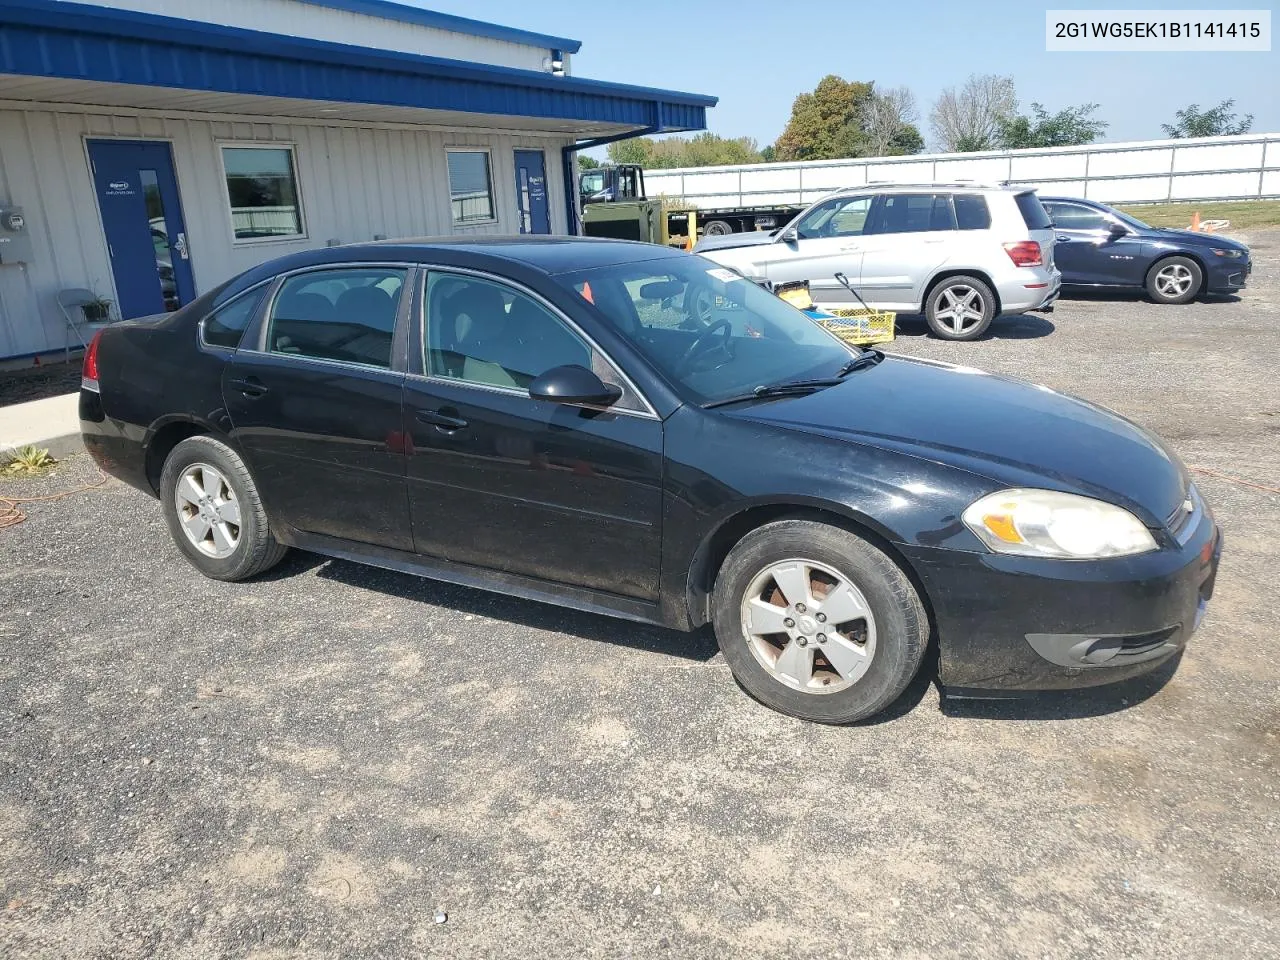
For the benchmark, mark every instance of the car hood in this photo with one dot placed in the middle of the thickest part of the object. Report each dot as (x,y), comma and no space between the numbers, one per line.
(1195,238)
(751,239)
(1015,433)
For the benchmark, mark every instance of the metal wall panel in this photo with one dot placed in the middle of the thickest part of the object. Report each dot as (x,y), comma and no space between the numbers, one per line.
(323,23)
(1210,168)
(355,182)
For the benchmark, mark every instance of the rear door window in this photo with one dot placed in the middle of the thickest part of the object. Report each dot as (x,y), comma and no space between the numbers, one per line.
(972,212)
(226,325)
(347,314)
(1033,213)
(915,213)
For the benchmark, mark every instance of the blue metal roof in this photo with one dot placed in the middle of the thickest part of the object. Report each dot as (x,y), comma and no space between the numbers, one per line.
(404,13)
(55,38)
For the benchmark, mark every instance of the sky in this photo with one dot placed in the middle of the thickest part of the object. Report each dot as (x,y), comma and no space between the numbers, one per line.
(756,56)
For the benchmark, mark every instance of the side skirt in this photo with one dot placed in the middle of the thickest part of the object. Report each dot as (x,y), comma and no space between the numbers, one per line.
(465,575)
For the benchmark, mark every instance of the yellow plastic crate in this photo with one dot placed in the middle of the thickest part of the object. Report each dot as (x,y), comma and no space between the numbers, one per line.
(860,326)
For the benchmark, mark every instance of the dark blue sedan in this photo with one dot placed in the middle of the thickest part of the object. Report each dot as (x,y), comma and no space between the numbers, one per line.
(1098,246)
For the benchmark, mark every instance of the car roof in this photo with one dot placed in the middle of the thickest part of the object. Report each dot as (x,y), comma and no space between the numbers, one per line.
(550,254)
(967,185)
(542,254)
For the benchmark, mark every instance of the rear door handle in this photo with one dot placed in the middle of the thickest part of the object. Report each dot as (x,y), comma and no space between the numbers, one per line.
(1063,239)
(250,386)
(441,420)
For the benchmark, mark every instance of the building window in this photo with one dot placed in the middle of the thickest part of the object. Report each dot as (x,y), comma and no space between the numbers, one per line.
(470,187)
(262,188)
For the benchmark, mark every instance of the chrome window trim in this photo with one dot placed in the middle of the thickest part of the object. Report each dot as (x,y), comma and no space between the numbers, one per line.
(264,328)
(202,342)
(649,413)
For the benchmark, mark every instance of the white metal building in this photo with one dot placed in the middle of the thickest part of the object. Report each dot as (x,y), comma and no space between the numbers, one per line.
(150,149)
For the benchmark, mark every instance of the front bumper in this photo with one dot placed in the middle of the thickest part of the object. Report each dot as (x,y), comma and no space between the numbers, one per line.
(1227,276)
(1023,624)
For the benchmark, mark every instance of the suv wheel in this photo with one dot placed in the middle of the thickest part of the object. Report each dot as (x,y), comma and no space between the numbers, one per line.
(214,513)
(960,308)
(1174,280)
(817,623)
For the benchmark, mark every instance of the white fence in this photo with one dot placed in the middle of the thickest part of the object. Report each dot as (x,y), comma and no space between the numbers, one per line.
(1155,171)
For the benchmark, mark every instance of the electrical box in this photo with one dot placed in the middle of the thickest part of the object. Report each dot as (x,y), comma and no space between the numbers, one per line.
(15,237)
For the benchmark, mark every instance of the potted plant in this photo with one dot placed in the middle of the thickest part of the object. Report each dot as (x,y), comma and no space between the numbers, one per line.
(97,310)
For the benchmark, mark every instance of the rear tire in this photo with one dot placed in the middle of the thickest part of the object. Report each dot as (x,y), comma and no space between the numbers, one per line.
(1174,280)
(844,647)
(960,308)
(214,512)
(717,228)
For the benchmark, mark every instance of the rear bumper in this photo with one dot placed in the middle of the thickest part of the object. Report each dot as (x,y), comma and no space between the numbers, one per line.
(1034,289)
(1022,624)
(115,446)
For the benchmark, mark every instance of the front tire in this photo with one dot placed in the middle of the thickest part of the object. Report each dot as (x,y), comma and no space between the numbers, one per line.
(214,512)
(1174,280)
(817,623)
(960,308)
(717,228)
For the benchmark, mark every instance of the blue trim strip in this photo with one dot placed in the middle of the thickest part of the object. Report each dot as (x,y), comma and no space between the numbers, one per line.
(54,38)
(403,13)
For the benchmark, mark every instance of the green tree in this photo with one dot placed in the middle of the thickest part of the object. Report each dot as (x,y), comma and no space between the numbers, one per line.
(888,123)
(1215,122)
(768,154)
(1066,128)
(587,163)
(827,123)
(630,151)
(704,150)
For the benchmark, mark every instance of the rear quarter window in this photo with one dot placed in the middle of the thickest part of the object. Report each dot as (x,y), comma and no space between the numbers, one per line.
(1033,212)
(226,325)
(972,212)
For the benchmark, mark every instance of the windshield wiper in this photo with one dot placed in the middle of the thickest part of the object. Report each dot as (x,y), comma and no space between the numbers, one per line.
(767,391)
(792,388)
(867,358)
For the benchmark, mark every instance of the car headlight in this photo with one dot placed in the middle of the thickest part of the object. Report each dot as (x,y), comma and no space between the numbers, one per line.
(1044,523)
(1229,254)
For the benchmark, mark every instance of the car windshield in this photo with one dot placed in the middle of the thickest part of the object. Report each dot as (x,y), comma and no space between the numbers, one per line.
(1131,221)
(712,333)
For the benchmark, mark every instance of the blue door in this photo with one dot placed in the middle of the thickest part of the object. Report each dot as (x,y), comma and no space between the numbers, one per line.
(531,191)
(147,240)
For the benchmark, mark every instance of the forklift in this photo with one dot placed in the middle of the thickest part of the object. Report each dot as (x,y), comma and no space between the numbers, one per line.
(614,205)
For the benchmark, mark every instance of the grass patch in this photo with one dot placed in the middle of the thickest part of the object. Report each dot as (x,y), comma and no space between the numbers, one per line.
(1241,213)
(26,461)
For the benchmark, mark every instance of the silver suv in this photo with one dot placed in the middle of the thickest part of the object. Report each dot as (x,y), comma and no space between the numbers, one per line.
(959,253)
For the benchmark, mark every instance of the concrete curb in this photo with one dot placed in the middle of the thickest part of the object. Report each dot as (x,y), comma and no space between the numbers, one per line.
(51,424)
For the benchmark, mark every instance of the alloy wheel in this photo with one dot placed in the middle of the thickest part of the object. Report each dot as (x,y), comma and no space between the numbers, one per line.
(1173,281)
(208,510)
(960,307)
(809,626)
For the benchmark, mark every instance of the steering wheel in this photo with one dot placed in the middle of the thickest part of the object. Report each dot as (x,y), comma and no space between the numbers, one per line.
(703,344)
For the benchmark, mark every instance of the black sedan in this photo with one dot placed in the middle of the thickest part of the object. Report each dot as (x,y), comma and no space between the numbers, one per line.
(1099,247)
(635,431)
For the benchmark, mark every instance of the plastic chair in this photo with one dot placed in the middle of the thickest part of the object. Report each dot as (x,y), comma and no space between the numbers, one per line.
(76,299)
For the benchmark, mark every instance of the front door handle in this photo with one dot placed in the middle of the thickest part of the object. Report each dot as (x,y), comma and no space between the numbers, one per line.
(251,387)
(441,420)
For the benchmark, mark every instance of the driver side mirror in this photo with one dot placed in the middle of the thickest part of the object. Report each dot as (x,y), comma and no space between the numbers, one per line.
(789,235)
(1118,230)
(573,384)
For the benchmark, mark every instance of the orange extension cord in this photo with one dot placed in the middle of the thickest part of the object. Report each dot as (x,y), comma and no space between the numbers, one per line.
(11,510)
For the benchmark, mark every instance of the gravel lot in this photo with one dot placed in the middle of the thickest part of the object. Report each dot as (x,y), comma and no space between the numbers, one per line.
(314,764)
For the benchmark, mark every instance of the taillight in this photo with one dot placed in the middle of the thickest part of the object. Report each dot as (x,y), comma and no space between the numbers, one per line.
(89,372)
(1025,253)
